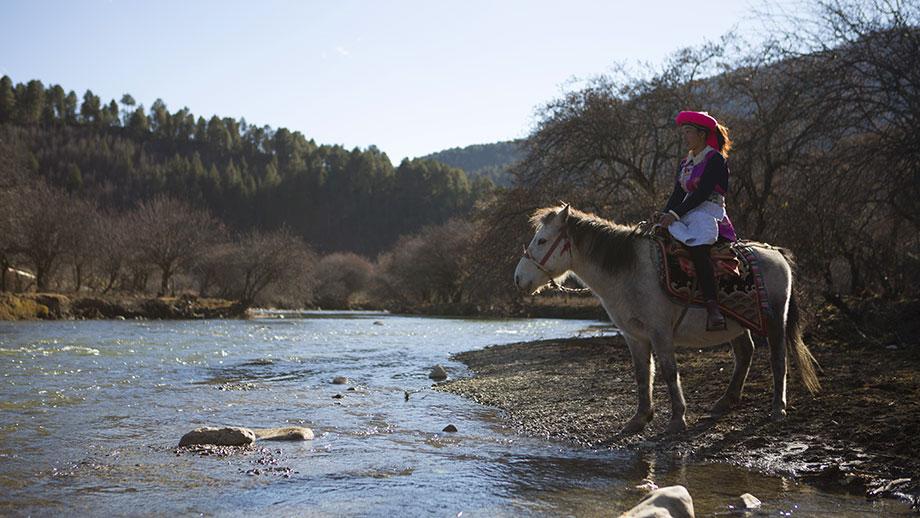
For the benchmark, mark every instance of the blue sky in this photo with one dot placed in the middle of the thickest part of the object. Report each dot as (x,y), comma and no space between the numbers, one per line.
(410,77)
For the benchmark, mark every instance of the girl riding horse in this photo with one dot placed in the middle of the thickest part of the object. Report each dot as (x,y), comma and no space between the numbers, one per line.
(695,213)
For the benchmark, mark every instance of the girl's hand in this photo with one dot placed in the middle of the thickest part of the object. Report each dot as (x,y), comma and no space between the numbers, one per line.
(666,219)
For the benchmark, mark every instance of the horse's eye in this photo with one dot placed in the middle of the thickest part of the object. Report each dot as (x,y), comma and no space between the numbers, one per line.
(541,241)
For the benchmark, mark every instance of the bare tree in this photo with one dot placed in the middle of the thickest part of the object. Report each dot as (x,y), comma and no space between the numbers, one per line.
(12,193)
(44,229)
(170,234)
(111,238)
(84,249)
(259,261)
(8,211)
(431,267)
(339,277)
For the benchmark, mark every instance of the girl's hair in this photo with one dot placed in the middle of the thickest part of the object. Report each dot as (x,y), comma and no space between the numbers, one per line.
(725,143)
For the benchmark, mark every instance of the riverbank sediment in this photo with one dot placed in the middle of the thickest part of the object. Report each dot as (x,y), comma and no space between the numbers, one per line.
(55,306)
(861,433)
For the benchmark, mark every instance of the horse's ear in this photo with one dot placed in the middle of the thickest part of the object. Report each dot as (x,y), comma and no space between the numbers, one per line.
(564,213)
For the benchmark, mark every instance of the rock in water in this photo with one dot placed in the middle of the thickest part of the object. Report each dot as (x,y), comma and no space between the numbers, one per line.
(291,433)
(340,380)
(748,502)
(667,502)
(438,373)
(449,428)
(229,436)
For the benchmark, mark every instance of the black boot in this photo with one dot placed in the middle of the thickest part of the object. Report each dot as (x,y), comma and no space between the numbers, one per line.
(706,278)
(714,319)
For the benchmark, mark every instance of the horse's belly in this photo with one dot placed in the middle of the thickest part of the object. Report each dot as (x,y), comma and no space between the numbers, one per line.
(692,331)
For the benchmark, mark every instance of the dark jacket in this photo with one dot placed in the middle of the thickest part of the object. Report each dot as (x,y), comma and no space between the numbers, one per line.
(716,173)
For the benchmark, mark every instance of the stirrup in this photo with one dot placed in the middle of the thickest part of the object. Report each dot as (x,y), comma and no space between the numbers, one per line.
(718,325)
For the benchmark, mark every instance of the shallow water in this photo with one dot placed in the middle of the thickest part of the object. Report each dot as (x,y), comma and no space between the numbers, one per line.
(90,413)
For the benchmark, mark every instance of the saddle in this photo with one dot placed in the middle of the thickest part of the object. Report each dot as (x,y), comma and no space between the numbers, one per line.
(739,279)
(724,259)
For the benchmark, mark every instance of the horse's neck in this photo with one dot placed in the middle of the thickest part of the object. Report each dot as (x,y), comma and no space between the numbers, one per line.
(604,283)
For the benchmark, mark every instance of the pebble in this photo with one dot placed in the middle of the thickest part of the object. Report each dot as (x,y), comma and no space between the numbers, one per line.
(338,396)
(438,373)
(340,380)
(450,428)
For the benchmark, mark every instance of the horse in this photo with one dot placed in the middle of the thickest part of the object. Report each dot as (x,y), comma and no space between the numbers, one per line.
(615,262)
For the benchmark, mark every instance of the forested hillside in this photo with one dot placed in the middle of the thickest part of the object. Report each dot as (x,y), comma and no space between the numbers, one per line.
(492,161)
(119,153)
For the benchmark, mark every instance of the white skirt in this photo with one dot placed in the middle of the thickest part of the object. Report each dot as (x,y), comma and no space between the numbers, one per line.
(700,226)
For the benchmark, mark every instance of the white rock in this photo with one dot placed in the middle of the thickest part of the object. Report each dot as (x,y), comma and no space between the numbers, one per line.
(229,436)
(291,433)
(749,501)
(667,502)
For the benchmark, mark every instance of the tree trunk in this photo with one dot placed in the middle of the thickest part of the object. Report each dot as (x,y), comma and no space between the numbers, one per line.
(164,283)
(111,282)
(78,277)
(41,279)
(4,266)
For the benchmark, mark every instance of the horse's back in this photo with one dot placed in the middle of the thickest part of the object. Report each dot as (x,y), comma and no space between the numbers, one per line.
(776,266)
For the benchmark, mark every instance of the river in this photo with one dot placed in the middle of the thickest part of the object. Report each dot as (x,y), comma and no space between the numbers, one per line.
(91,412)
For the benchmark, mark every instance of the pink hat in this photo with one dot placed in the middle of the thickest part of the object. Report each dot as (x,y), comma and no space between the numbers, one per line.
(703,120)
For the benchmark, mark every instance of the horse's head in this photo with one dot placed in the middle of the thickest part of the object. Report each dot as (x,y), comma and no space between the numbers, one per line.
(549,254)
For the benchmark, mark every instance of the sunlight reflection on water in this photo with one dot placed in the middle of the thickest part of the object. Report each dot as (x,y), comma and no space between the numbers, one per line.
(90,413)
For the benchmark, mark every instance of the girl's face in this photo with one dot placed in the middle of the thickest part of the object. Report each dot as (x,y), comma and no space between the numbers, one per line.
(694,137)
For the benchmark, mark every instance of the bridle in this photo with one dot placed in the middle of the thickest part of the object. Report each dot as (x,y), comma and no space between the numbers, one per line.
(567,247)
(541,264)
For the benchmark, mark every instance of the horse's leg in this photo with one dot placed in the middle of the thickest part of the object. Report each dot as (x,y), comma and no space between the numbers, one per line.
(664,350)
(777,341)
(641,353)
(742,350)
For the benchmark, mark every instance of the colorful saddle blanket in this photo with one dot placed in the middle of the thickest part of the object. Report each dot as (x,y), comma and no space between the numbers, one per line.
(739,280)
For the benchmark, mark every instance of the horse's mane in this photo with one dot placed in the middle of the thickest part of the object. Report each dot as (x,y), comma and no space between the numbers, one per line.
(605,242)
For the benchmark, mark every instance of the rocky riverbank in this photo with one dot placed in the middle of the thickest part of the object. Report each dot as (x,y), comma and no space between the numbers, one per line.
(861,433)
(53,306)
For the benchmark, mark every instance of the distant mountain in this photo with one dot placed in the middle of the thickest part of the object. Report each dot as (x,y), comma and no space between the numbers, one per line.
(483,160)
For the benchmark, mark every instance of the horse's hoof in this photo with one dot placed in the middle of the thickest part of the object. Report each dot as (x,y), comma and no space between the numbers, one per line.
(722,406)
(677,426)
(635,425)
(779,415)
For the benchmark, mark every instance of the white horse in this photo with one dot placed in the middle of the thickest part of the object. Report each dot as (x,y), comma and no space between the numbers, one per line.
(616,263)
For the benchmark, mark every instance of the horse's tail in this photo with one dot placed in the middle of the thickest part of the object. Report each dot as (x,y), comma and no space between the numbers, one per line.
(795,345)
